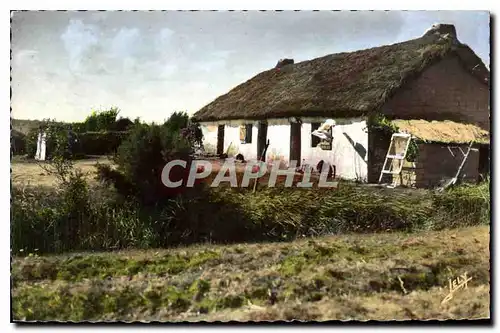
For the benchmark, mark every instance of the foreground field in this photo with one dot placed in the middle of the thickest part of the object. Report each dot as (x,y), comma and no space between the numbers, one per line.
(377,276)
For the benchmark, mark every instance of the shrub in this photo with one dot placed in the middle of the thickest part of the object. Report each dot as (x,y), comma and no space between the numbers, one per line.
(193,134)
(18,142)
(176,122)
(123,124)
(60,139)
(77,217)
(462,206)
(100,143)
(144,153)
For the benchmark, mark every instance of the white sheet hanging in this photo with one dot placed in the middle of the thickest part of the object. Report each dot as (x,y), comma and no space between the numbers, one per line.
(41,147)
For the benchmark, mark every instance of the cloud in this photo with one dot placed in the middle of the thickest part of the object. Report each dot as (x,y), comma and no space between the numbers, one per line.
(125,42)
(78,40)
(25,57)
(152,63)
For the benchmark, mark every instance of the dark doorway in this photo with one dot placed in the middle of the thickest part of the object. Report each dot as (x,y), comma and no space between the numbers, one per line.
(295,142)
(261,139)
(220,140)
(484,161)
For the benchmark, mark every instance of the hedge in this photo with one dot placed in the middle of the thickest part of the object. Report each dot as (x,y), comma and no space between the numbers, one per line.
(17,142)
(99,143)
(87,143)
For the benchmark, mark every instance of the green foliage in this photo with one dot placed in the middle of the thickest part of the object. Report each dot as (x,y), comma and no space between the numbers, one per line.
(18,142)
(100,143)
(101,120)
(176,122)
(381,123)
(60,139)
(193,134)
(123,124)
(413,151)
(462,205)
(145,152)
(99,219)
(100,134)
(79,127)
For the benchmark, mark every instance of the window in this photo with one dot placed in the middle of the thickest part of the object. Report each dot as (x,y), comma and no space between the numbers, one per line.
(314,139)
(246,133)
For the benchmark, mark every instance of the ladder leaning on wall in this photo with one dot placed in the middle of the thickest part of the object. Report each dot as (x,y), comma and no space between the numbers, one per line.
(392,155)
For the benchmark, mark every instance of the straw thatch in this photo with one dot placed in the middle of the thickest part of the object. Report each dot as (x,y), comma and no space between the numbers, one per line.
(340,85)
(443,131)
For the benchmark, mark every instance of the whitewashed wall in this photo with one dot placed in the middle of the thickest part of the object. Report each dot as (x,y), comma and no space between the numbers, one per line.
(232,135)
(209,138)
(349,164)
(279,143)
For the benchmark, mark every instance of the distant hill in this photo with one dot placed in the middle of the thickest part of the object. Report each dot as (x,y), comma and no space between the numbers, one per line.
(24,125)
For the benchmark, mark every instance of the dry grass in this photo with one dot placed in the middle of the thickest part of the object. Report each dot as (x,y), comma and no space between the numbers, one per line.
(443,131)
(362,277)
(29,172)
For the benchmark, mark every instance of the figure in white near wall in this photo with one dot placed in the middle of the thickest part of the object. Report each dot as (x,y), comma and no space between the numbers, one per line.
(41,146)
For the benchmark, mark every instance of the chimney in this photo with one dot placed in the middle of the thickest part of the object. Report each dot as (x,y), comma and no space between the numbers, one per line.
(442,30)
(284,62)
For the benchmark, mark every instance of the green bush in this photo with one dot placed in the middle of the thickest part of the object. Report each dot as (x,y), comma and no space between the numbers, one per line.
(123,124)
(101,120)
(100,143)
(18,142)
(462,206)
(78,218)
(100,134)
(141,157)
(60,140)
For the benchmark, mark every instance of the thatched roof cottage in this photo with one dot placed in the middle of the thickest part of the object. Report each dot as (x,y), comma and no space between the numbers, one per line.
(433,87)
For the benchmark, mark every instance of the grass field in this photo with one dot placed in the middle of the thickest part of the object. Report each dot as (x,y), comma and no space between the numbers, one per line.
(378,276)
(383,276)
(31,172)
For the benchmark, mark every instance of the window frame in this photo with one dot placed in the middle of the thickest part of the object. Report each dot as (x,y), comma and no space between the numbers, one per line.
(248,134)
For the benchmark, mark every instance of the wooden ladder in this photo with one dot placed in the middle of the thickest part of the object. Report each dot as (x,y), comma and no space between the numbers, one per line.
(395,156)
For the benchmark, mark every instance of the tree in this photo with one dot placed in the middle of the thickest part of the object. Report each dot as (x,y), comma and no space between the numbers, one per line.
(101,120)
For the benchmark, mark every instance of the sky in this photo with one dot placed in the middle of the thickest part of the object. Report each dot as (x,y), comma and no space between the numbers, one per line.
(150,64)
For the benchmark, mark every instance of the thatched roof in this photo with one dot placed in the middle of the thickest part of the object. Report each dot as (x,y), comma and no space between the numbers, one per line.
(340,85)
(443,131)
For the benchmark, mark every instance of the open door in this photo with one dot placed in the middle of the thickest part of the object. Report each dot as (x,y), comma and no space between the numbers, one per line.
(295,143)
(261,139)
(220,140)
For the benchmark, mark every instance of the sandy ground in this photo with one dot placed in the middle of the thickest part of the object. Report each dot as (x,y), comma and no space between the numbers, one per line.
(33,173)
(30,172)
